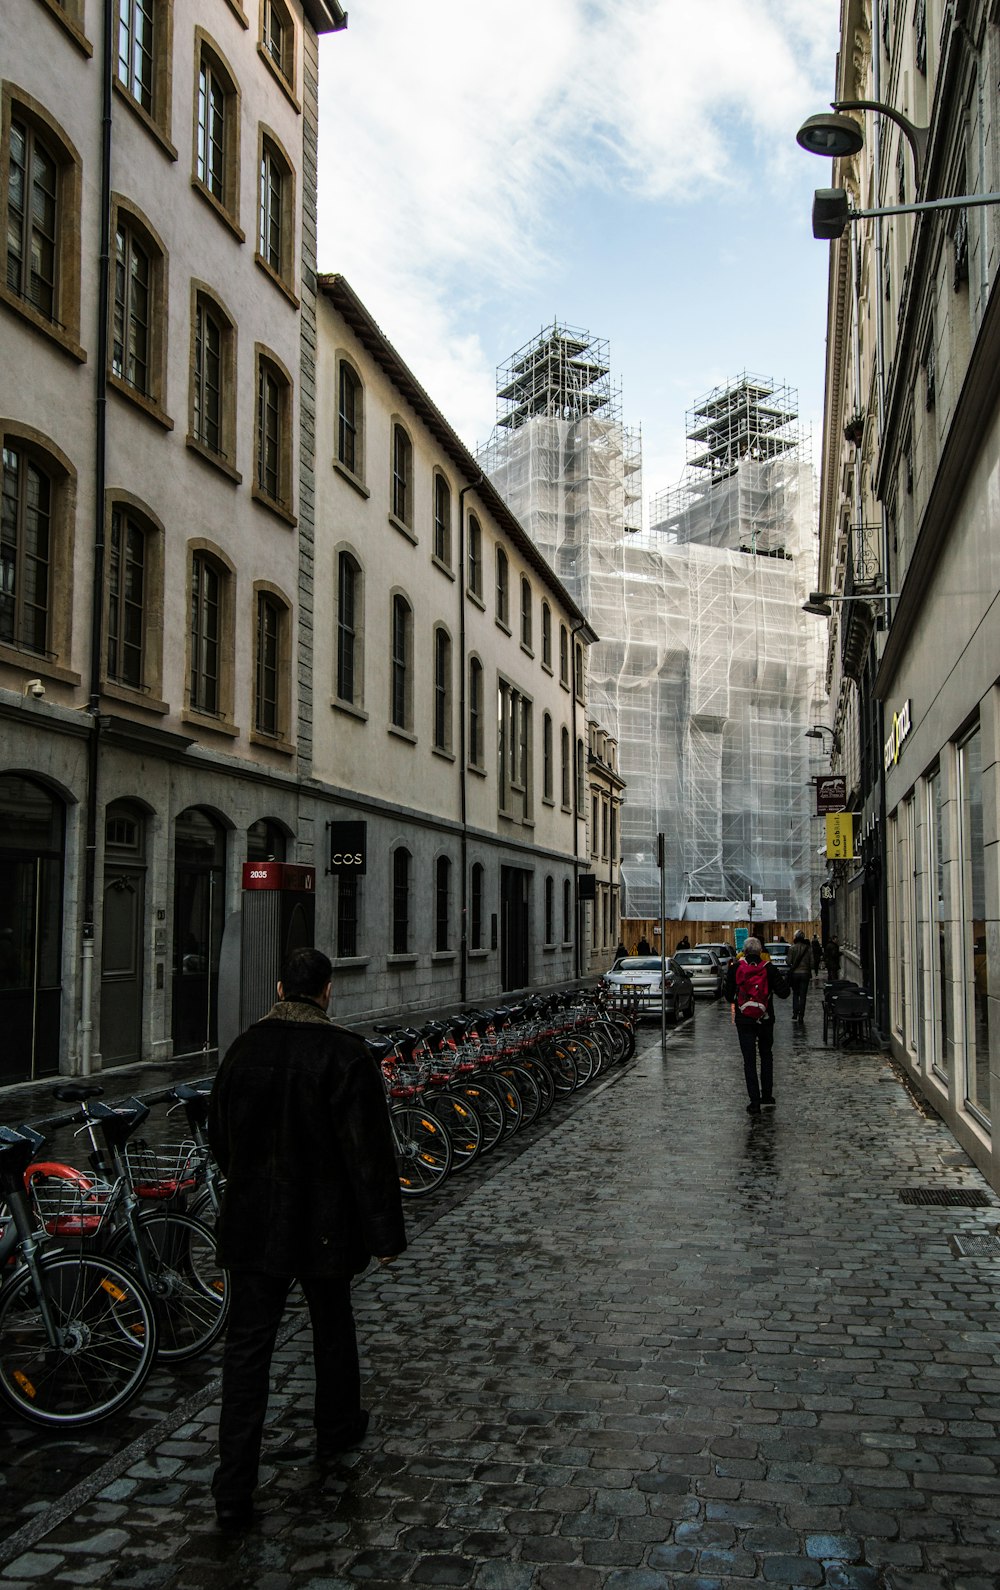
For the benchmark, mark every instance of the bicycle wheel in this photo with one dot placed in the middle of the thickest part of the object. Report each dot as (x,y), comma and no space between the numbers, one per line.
(542,1076)
(486,1103)
(423,1150)
(461,1122)
(186,1281)
(107,1341)
(528,1090)
(565,1074)
(510,1097)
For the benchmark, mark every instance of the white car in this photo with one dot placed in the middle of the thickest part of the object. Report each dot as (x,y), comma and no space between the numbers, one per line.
(704,969)
(722,951)
(645,979)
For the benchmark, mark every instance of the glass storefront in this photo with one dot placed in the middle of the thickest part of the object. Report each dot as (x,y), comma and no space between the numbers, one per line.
(974,964)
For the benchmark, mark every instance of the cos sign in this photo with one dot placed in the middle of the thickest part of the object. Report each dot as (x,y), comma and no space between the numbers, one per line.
(348,847)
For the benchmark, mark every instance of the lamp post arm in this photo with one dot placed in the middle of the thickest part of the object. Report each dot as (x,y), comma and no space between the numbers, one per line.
(961,201)
(917,137)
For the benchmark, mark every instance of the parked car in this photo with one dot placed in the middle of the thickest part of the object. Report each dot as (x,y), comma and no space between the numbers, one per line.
(778,952)
(724,952)
(647,979)
(704,969)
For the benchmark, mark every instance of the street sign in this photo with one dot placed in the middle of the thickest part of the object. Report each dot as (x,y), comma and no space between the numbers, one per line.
(831,794)
(840,836)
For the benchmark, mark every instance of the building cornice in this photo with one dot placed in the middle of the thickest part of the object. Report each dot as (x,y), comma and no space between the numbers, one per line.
(326,16)
(345,300)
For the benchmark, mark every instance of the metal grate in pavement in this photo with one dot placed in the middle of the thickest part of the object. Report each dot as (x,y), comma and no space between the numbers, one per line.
(975,1245)
(967,1197)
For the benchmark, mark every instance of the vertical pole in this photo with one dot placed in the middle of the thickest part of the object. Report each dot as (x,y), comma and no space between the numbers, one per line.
(661,862)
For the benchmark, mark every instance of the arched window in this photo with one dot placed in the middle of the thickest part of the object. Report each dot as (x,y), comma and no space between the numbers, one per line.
(503,588)
(567,911)
(210,635)
(442,520)
(476,906)
(402,469)
(475,712)
(581,762)
(273,462)
(442,689)
(35,547)
(550,909)
(143,55)
(578,671)
(546,635)
(129,568)
(266,841)
(350,655)
(213,379)
(548,773)
(564,655)
(271,650)
(275,210)
(442,904)
(277,37)
(401,860)
(401,693)
(526,625)
(350,419)
(564,745)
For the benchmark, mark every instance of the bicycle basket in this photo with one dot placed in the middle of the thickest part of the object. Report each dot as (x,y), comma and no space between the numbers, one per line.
(67,1203)
(164,1170)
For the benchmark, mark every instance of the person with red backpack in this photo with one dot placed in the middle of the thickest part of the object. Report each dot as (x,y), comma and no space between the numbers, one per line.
(751,984)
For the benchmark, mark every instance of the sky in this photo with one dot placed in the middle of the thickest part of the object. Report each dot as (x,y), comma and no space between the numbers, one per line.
(628,167)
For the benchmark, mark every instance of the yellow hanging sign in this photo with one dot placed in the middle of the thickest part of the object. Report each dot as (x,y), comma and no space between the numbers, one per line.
(840,836)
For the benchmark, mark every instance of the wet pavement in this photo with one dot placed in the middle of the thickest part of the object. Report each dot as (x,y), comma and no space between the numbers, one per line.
(658,1344)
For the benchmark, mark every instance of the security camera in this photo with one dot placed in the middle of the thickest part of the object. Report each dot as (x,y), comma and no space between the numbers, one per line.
(36,688)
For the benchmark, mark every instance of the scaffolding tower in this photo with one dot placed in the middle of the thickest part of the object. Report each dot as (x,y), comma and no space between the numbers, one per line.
(707,671)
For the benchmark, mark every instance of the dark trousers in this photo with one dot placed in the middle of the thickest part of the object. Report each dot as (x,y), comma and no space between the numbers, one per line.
(753,1037)
(258,1302)
(800,991)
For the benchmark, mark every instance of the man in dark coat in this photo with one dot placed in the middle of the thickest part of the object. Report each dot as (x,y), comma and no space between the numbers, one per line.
(756,1034)
(299,1125)
(800,973)
(831,957)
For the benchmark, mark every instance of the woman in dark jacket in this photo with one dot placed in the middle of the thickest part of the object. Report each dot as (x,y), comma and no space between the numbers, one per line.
(800,974)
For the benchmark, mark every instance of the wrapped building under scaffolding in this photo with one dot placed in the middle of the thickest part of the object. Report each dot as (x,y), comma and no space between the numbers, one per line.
(707,672)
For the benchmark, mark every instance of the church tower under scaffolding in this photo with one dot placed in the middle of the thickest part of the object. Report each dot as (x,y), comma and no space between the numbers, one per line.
(707,671)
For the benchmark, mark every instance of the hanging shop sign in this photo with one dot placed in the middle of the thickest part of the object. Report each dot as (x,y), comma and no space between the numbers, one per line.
(831,794)
(286,876)
(840,836)
(348,847)
(898,733)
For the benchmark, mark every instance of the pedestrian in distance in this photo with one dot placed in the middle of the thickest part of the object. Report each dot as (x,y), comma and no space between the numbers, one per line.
(799,974)
(817,954)
(299,1124)
(684,943)
(621,951)
(831,958)
(642,948)
(751,984)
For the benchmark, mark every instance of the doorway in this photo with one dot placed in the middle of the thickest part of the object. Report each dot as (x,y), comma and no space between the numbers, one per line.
(32,830)
(122,933)
(199,914)
(514,927)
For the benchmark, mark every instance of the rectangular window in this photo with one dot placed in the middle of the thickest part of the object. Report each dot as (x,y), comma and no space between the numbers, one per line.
(208,346)
(400,902)
(272,180)
(347,914)
(475,557)
(205,636)
(346,631)
(475,712)
(442,892)
(126,596)
(399,662)
(269,472)
(130,347)
(442,520)
(347,418)
(25,552)
(211,156)
(135,50)
(32,219)
(401,474)
(268,636)
(442,690)
(477,907)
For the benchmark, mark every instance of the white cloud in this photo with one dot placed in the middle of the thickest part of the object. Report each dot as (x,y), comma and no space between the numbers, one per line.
(448,134)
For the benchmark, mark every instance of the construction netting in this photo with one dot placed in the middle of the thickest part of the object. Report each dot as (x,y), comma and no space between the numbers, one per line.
(707,672)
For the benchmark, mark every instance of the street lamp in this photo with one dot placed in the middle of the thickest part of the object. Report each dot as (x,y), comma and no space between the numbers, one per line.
(837,137)
(817,732)
(819,601)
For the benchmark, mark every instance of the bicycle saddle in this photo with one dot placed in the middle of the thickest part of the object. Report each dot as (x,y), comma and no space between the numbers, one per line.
(76,1092)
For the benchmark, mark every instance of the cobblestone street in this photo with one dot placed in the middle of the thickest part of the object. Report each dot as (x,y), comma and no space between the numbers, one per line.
(663,1345)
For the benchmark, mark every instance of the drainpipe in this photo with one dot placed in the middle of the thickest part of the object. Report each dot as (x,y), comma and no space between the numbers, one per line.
(463,773)
(577,956)
(97,587)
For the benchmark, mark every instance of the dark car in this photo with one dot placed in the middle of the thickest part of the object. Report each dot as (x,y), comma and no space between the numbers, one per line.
(645,979)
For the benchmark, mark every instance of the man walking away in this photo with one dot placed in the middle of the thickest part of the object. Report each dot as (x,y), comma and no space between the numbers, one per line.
(799,972)
(817,954)
(751,984)
(831,958)
(299,1124)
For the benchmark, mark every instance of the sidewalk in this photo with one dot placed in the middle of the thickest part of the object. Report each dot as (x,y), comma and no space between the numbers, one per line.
(662,1346)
